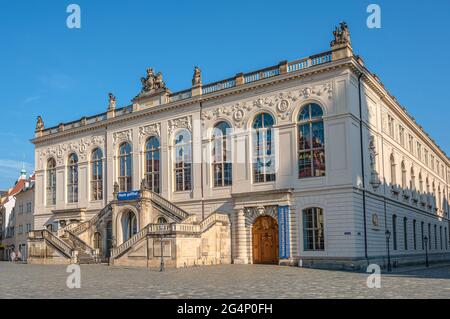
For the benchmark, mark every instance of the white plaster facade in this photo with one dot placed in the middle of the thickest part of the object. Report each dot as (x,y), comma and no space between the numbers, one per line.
(333,80)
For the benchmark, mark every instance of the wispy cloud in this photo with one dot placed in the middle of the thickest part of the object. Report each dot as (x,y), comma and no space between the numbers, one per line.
(31,99)
(7,164)
(55,80)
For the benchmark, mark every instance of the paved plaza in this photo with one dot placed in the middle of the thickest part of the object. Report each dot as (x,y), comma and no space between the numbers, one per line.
(231,281)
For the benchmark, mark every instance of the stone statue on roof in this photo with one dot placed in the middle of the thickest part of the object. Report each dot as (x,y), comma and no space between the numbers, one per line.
(341,35)
(112,101)
(197,78)
(39,124)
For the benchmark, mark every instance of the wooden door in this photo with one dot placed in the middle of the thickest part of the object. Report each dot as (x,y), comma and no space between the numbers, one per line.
(265,241)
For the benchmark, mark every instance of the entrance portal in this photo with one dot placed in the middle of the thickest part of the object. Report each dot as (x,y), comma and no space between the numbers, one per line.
(265,240)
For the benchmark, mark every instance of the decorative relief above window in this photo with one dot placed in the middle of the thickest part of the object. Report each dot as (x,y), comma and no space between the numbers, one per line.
(123,136)
(149,130)
(183,122)
(79,147)
(280,103)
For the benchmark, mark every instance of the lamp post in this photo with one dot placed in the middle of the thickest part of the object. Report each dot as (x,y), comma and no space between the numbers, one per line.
(425,239)
(388,236)
(161,268)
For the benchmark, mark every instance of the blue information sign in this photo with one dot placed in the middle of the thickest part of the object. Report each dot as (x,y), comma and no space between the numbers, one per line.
(128,195)
(283,229)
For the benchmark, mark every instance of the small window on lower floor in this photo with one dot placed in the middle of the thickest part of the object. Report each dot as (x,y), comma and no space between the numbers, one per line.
(313,229)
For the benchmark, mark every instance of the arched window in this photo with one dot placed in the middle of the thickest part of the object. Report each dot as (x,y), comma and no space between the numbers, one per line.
(97,174)
(263,149)
(403,175)
(125,167)
(412,183)
(72,179)
(394,231)
(161,220)
(221,153)
(130,227)
(393,173)
(152,163)
(51,182)
(313,229)
(311,142)
(183,161)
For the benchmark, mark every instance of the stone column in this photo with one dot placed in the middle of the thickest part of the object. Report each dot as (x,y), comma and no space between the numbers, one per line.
(241,238)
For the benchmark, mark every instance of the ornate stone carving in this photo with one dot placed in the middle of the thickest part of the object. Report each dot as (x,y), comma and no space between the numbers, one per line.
(39,124)
(80,147)
(252,213)
(197,78)
(280,103)
(341,35)
(152,129)
(123,136)
(183,122)
(152,83)
(112,102)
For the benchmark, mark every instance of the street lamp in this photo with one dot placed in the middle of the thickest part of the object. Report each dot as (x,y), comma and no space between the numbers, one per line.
(388,236)
(161,268)
(425,239)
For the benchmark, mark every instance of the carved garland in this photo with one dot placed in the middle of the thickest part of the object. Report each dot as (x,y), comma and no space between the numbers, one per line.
(281,103)
(252,213)
(123,136)
(149,130)
(79,147)
(184,122)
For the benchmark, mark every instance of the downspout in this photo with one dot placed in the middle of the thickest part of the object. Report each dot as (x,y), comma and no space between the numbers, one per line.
(362,168)
(201,164)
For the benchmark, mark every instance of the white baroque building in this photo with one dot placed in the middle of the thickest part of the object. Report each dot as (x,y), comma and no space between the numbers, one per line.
(308,162)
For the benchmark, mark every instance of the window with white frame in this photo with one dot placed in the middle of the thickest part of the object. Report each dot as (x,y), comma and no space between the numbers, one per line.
(183,161)
(221,155)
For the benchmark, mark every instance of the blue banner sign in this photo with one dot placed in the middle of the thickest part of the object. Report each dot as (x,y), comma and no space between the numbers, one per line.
(128,195)
(283,232)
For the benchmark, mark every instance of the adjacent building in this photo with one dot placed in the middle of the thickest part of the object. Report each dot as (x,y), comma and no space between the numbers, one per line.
(16,211)
(309,162)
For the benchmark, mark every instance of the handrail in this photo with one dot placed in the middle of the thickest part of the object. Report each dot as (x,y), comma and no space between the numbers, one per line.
(60,232)
(182,214)
(53,239)
(81,243)
(115,252)
(81,228)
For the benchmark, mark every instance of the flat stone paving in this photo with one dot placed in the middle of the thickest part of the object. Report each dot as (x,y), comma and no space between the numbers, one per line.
(222,282)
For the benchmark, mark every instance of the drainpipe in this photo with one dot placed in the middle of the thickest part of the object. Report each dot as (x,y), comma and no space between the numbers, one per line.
(362,168)
(201,164)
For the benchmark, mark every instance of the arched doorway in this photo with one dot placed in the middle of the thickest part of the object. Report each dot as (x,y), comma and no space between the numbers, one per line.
(129,225)
(265,240)
(98,242)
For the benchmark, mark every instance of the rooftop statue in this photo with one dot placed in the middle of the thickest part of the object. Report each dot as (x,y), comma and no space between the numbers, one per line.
(197,78)
(112,101)
(152,82)
(39,124)
(341,35)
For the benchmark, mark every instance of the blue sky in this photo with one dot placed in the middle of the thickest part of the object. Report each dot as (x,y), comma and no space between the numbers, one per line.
(64,74)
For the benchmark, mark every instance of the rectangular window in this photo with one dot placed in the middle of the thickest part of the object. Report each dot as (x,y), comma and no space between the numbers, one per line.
(28,208)
(313,229)
(405,233)
(414,235)
(391,125)
(419,151)
(422,234)
(429,236)
(394,231)
(446,238)
(20,209)
(411,143)
(440,236)
(435,237)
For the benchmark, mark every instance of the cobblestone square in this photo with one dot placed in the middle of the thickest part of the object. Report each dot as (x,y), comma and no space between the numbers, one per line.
(222,282)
